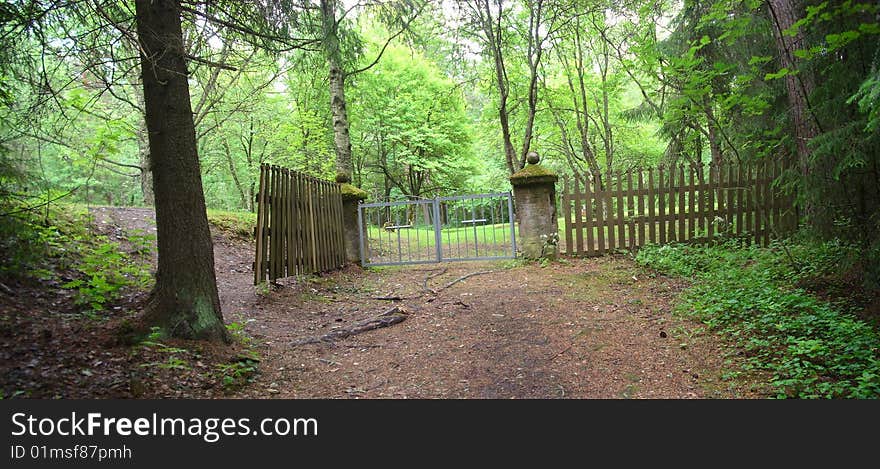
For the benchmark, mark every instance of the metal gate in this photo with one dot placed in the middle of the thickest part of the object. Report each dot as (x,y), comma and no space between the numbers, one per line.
(458,228)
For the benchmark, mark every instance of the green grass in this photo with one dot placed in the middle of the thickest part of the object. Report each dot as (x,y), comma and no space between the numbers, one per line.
(810,348)
(419,243)
(239,224)
(424,234)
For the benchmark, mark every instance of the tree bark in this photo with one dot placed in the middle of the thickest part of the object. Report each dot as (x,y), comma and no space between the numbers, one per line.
(341,137)
(146,177)
(714,143)
(784,14)
(492,32)
(184,302)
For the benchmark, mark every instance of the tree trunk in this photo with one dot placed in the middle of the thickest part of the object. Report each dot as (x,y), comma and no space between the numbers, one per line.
(493,40)
(142,136)
(146,176)
(234,173)
(341,137)
(784,14)
(712,132)
(184,302)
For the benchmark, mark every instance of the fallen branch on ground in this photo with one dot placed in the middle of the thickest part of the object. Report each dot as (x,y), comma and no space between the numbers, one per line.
(434,275)
(392,316)
(463,277)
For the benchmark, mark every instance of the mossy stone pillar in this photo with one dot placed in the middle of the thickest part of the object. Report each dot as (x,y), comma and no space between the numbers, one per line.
(534,192)
(351,196)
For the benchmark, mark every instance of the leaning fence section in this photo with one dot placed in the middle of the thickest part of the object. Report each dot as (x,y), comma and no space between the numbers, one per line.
(299,225)
(693,203)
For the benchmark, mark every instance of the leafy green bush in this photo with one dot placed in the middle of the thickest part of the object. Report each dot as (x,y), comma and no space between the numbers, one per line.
(811,348)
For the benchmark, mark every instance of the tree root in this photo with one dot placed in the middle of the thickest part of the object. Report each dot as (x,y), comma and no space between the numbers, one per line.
(388,318)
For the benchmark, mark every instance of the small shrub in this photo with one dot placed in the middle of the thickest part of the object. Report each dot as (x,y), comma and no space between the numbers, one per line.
(240,372)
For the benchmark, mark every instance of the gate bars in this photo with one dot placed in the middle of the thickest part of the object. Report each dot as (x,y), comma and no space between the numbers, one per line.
(456,228)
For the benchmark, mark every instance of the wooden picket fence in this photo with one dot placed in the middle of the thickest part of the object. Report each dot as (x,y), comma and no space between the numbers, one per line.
(694,203)
(299,225)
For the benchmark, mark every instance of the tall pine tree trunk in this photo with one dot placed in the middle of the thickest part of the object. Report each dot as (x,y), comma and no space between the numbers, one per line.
(184,302)
(783,15)
(341,137)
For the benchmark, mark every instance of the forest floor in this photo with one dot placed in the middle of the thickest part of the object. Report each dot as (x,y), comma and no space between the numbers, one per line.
(575,328)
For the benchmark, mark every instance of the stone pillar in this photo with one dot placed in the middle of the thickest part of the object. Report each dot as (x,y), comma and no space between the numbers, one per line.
(534,192)
(351,195)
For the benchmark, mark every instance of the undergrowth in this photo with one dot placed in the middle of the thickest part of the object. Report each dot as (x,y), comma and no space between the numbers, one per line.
(238,224)
(58,247)
(811,348)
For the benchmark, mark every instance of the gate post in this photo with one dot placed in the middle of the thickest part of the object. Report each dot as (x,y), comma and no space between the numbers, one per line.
(534,191)
(351,196)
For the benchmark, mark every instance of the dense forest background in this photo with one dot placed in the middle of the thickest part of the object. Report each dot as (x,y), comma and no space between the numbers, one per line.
(453,94)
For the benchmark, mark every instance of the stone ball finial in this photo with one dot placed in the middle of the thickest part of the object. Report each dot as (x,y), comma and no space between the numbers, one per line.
(342,178)
(533,158)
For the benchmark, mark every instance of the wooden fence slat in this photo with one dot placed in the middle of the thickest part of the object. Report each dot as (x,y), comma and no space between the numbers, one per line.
(325,224)
(317,219)
(630,210)
(294,247)
(621,223)
(279,254)
(758,200)
(710,192)
(340,234)
(295,232)
(682,211)
(731,188)
(608,212)
(701,201)
(279,223)
(589,223)
(641,208)
(285,204)
(692,215)
(260,244)
(777,197)
(661,209)
(303,222)
(652,225)
(768,200)
(340,241)
(578,220)
(329,225)
(598,194)
(566,212)
(274,219)
(306,221)
(748,205)
(740,187)
(270,224)
(673,210)
(321,222)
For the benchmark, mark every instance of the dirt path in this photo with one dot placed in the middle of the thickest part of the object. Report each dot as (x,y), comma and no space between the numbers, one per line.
(580,328)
